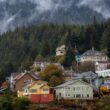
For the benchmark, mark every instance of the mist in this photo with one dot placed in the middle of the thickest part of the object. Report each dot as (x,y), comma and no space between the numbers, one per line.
(99,6)
(40,7)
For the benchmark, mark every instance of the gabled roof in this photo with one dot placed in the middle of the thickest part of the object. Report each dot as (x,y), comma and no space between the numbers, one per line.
(72,82)
(89,74)
(33,75)
(30,85)
(93,53)
(62,47)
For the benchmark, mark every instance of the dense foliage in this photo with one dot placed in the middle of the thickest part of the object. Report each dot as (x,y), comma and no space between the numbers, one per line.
(19,49)
(53,74)
(13,103)
(102,104)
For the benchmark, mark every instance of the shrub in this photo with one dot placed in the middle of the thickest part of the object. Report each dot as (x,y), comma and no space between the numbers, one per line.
(21,103)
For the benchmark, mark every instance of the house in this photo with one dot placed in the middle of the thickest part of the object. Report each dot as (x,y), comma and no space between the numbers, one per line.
(102,65)
(89,76)
(5,84)
(93,56)
(37,92)
(20,80)
(104,73)
(74,89)
(42,65)
(61,51)
(102,69)
(68,75)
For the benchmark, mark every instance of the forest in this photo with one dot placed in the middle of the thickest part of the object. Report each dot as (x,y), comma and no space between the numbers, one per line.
(19,48)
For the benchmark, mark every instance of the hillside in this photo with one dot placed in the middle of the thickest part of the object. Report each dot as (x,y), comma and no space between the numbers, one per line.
(15,13)
(19,49)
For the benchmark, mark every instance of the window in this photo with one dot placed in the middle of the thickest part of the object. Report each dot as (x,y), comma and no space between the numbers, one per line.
(33,90)
(68,94)
(87,95)
(68,88)
(74,89)
(26,90)
(45,89)
(25,80)
(78,95)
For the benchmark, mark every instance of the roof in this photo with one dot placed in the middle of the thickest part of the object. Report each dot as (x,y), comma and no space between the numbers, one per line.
(89,74)
(34,75)
(69,73)
(30,85)
(102,62)
(39,81)
(62,47)
(71,82)
(93,53)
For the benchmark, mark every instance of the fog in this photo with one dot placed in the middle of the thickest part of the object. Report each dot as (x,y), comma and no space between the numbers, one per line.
(42,6)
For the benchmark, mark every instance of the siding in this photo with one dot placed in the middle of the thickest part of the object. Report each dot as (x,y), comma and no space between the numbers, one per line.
(22,82)
(41,98)
(72,91)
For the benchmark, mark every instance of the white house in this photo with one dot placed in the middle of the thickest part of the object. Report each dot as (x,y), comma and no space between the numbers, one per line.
(60,51)
(93,56)
(43,65)
(104,73)
(99,66)
(74,89)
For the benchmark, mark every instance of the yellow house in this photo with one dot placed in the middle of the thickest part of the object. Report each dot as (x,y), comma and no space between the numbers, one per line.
(38,87)
(38,91)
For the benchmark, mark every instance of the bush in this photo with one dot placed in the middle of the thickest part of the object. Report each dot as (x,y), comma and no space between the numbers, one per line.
(68,103)
(21,103)
(33,107)
(5,103)
(53,108)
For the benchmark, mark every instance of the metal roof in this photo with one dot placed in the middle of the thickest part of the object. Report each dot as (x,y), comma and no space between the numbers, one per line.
(93,53)
(71,82)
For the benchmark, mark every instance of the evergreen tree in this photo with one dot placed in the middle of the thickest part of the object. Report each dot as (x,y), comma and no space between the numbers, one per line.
(45,50)
(69,57)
